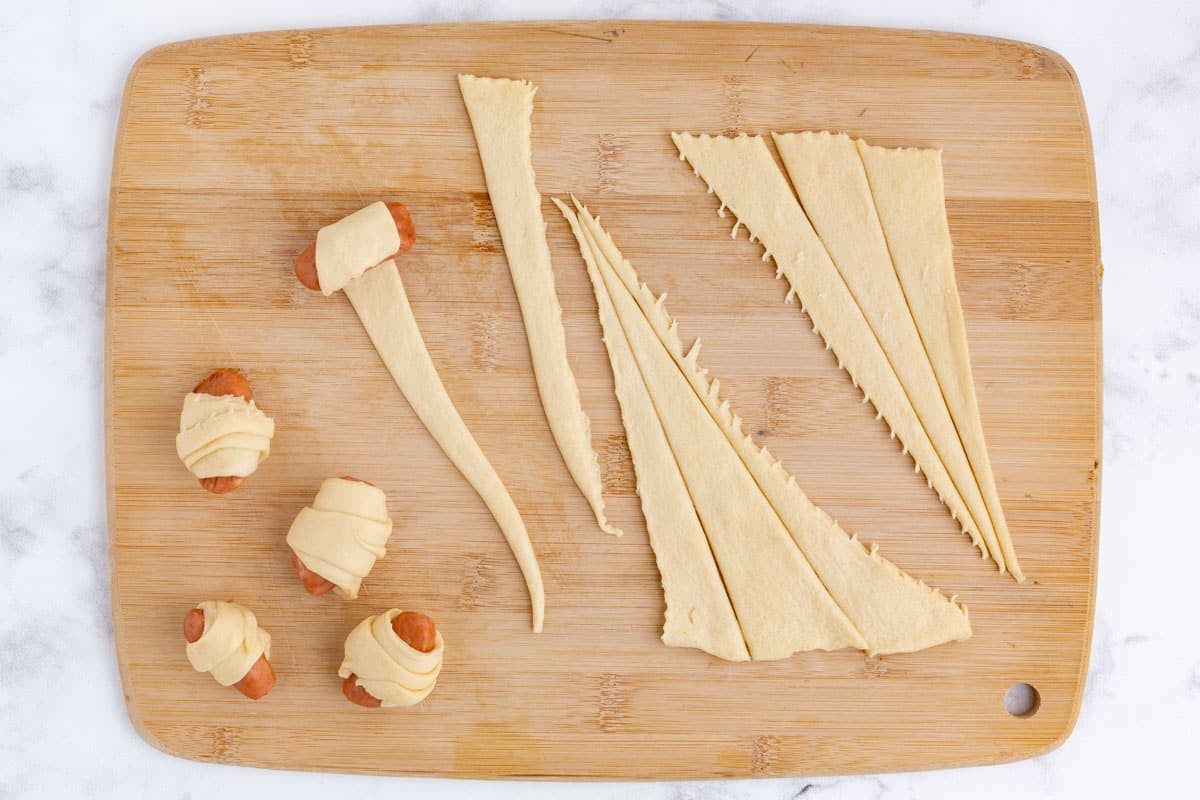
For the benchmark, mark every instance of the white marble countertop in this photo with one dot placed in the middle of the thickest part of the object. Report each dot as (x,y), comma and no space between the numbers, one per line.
(62,64)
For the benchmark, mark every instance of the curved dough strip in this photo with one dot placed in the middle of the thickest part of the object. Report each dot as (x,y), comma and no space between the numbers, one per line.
(744,175)
(909,194)
(500,111)
(829,178)
(342,533)
(895,612)
(391,670)
(379,299)
(230,644)
(698,611)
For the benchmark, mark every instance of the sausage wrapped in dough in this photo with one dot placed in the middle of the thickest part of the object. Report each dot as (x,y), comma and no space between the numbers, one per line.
(223,436)
(392,659)
(225,641)
(340,536)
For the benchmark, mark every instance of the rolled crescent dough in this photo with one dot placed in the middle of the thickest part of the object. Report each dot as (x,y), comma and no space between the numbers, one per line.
(352,245)
(391,670)
(500,112)
(222,435)
(743,174)
(231,643)
(342,533)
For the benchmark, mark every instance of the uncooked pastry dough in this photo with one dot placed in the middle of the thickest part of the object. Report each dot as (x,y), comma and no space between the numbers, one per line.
(744,175)
(500,111)
(352,245)
(698,611)
(894,612)
(389,668)
(231,643)
(379,299)
(222,435)
(779,601)
(832,185)
(909,196)
(342,533)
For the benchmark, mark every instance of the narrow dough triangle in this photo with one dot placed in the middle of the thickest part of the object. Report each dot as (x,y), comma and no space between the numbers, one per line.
(780,603)
(501,111)
(907,187)
(894,612)
(382,305)
(829,179)
(744,175)
(698,611)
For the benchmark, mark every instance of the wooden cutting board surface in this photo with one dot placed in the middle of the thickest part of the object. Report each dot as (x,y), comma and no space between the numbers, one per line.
(233,151)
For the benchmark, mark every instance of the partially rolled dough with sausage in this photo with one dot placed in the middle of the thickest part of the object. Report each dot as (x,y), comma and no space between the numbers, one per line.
(355,243)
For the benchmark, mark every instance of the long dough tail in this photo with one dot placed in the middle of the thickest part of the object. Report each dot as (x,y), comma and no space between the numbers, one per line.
(501,112)
(379,299)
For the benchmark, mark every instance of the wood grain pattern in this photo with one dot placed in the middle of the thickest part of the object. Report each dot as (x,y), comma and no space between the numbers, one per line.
(232,151)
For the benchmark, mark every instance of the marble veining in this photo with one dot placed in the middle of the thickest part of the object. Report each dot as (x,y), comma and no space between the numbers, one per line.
(62,67)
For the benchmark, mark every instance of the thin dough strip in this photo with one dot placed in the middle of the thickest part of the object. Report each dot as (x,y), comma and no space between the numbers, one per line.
(780,602)
(743,174)
(829,179)
(698,612)
(909,195)
(501,111)
(379,299)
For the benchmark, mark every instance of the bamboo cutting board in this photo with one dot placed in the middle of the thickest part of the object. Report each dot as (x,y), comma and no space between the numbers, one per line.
(233,151)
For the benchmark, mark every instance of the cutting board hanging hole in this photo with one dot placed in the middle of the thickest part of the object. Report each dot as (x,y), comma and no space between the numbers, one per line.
(1022,700)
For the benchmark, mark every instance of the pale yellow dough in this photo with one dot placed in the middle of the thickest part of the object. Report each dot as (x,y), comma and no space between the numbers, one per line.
(501,111)
(391,670)
(222,435)
(342,533)
(352,245)
(231,643)
(907,188)
(829,178)
(698,611)
(379,299)
(744,175)
(890,611)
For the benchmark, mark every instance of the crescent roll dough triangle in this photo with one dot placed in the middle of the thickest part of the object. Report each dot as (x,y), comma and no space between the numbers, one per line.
(698,610)
(907,188)
(780,603)
(894,612)
(829,178)
(500,111)
(744,175)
